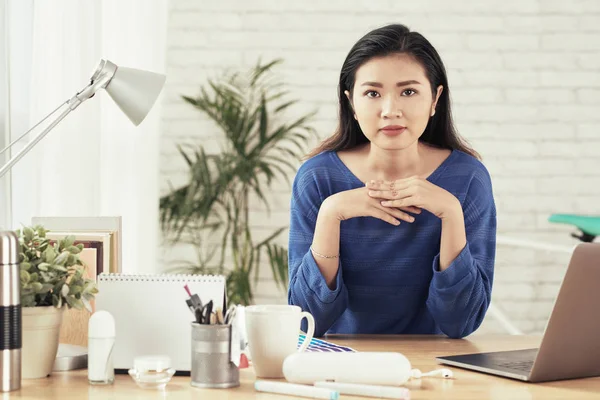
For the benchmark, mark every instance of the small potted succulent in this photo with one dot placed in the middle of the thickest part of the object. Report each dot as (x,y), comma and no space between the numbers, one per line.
(52,279)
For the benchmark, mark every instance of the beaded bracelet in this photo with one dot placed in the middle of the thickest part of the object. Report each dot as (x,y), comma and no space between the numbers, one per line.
(321,255)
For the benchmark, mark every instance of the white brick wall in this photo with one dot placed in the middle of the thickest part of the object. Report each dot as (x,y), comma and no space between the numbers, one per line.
(526,90)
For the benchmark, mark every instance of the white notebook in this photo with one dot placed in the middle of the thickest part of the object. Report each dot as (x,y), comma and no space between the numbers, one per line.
(151,315)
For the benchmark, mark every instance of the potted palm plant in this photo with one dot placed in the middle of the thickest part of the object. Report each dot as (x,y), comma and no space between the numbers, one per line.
(52,279)
(260,145)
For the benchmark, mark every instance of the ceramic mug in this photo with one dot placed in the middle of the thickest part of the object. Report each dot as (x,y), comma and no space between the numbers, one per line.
(273,335)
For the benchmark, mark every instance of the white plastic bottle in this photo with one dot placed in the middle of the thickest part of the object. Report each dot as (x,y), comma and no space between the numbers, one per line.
(101,342)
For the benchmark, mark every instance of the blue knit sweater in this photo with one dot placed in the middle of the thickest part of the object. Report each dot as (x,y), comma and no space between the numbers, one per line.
(388,280)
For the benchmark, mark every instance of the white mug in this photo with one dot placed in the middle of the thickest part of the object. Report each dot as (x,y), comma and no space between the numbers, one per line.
(273,335)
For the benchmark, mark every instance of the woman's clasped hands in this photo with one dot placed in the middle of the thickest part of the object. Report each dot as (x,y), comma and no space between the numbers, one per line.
(413,193)
(391,201)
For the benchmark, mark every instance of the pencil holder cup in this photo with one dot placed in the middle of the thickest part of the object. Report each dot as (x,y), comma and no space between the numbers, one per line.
(211,357)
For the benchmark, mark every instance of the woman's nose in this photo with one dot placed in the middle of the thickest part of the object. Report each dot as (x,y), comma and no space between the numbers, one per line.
(391,108)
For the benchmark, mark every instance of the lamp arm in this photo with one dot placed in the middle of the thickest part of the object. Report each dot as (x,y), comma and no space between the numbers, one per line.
(30,145)
(17,140)
(74,102)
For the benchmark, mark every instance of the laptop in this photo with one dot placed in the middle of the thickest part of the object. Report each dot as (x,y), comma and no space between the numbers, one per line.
(570,347)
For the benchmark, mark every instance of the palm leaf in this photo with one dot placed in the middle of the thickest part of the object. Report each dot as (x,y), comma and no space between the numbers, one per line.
(279,264)
(271,237)
(285,106)
(260,70)
(263,126)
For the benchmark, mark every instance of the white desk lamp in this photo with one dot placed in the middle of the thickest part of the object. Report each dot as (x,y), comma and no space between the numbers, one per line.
(134,91)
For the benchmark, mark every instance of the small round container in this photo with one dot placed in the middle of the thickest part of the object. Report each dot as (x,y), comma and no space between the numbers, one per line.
(152,372)
(101,342)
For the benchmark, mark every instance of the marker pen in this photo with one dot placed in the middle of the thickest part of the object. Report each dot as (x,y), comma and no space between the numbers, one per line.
(385,392)
(294,389)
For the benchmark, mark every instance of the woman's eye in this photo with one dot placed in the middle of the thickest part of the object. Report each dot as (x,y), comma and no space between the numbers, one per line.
(371,93)
(408,92)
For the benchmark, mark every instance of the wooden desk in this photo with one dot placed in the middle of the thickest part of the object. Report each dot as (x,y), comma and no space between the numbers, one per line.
(420,350)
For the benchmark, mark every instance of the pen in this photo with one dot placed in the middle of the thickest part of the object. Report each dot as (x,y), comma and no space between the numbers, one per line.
(230,314)
(294,389)
(386,392)
(219,316)
(198,313)
(209,307)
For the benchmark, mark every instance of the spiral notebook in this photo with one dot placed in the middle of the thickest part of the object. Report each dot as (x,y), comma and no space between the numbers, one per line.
(151,316)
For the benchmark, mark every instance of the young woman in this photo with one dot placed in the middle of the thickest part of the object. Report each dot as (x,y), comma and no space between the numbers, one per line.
(393,222)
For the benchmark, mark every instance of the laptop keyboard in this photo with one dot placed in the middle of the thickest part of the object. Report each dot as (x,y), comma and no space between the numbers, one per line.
(518,365)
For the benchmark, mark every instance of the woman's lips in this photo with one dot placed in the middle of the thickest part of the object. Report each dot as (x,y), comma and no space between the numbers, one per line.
(393,130)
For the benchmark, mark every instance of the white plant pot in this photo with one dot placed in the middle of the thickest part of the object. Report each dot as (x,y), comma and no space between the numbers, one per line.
(41,329)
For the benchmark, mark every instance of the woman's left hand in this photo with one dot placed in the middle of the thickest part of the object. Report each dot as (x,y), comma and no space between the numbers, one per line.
(415,192)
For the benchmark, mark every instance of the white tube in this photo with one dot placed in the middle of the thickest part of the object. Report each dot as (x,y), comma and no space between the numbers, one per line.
(296,390)
(384,392)
(370,368)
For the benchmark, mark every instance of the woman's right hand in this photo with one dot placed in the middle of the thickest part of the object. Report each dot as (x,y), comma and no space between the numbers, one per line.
(357,203)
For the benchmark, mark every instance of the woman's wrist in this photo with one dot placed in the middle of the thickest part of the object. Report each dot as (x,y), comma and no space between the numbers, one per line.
(329,210)
(323,255)
(453,212)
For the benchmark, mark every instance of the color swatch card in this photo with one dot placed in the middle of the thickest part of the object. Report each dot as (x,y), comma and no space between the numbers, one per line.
(318,345)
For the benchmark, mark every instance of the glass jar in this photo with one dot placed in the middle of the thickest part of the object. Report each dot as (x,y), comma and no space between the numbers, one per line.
(152,372)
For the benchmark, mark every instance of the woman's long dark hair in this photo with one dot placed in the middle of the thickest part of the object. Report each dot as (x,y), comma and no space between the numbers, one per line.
(394,39)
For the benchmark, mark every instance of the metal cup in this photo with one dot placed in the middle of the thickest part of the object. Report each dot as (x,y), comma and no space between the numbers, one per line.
(211,357)
(10,313)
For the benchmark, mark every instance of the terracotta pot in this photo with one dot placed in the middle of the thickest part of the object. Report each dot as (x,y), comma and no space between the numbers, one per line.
(41,329)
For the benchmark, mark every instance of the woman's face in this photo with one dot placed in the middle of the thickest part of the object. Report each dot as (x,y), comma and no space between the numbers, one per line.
(392,101)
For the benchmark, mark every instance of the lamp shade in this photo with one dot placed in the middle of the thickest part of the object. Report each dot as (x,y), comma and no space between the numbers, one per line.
(135,91)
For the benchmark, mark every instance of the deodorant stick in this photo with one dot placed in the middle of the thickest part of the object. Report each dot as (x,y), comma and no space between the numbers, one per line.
(10,313)
(101,342)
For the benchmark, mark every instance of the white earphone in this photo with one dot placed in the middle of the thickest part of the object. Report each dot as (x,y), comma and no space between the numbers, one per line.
(443,372)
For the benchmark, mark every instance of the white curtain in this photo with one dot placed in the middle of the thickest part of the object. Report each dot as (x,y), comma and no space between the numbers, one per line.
(4,115)
(95,162)
(21,180)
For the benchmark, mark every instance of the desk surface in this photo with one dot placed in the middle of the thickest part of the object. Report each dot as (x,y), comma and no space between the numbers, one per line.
(420,350)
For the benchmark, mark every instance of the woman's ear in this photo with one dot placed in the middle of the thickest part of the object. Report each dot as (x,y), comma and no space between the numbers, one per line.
(440,89)
(347,93)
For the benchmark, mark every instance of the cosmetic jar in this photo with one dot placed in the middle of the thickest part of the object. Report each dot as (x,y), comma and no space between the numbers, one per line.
(152,372)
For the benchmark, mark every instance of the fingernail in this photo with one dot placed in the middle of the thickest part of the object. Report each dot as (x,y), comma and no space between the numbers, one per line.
(411,219)
(385,203)
(397,222)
